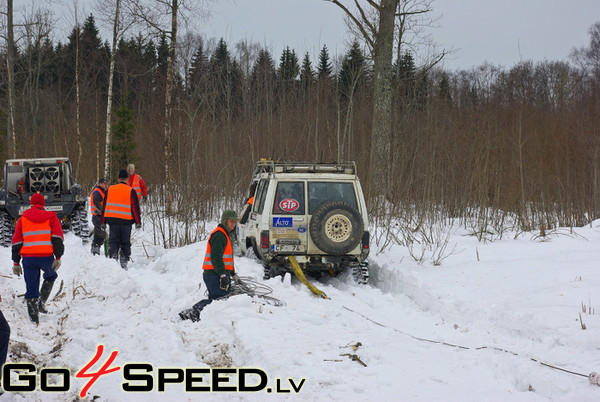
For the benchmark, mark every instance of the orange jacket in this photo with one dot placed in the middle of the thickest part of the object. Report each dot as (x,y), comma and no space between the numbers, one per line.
(38,234)
(95,210)
(37,238)
(117,203)
(137,183)
(227,254)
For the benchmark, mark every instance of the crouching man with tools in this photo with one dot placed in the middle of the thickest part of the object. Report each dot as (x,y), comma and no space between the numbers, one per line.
(218,265)
(38,239)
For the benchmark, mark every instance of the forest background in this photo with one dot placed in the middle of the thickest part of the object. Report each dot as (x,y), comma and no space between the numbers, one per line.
(493,148)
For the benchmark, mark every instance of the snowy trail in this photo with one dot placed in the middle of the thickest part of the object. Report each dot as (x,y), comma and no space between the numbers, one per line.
(521,296)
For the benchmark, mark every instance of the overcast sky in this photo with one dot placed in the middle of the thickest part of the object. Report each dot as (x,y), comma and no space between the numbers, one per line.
(501,32)
(498,31)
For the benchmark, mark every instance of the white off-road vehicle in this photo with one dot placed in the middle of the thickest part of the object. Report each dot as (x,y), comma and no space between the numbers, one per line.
(315,212)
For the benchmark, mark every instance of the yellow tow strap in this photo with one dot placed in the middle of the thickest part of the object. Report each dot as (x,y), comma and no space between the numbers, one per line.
(300,275)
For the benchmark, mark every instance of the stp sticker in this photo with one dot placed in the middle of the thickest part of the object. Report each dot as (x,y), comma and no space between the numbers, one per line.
(289,205)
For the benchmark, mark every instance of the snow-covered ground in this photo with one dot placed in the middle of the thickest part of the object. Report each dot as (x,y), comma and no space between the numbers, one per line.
(483,326)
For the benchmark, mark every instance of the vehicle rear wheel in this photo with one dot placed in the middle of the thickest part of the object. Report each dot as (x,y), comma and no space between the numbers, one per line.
(6,229)
(336,227)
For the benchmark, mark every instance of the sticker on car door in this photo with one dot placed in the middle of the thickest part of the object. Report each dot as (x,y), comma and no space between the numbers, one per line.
(282,222)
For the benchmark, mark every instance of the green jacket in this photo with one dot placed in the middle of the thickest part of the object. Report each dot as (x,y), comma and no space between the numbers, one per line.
(218,242)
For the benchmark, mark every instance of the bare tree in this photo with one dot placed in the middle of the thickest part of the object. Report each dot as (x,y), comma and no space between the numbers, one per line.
(153,13)
(589,58)
(10,67)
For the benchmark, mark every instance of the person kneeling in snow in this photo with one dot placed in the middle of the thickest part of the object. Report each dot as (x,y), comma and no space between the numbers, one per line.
(218,265)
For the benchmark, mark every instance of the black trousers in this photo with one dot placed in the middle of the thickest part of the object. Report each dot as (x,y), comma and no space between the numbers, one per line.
(119,241)
(99,234)
(4,335)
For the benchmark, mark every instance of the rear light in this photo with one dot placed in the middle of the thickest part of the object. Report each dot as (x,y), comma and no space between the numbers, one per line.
(264,239)
(365,240)
(15,163)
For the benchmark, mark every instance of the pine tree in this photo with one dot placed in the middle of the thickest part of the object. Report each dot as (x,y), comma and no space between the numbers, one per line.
(288,66)
(307,75)
(352,72)
(324,68)
(123,144)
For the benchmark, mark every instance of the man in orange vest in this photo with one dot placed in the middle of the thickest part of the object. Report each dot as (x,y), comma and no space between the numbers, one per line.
(96,201)
(218,265)
(248,203)
(121,209)
(136,182)
(38,239)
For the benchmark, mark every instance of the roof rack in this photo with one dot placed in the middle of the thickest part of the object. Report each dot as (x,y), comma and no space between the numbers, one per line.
(270,166)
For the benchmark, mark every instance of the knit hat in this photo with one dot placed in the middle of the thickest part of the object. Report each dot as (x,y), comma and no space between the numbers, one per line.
(37,199)
(123,174)
(102,180)
(228,214)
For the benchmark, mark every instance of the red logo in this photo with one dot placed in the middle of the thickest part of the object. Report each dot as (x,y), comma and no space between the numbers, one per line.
(289,205)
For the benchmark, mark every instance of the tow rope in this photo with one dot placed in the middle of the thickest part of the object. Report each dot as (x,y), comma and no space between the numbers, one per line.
(593,377)
(300,275)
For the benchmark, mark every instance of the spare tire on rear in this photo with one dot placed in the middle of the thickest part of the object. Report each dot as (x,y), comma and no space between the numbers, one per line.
(336,227)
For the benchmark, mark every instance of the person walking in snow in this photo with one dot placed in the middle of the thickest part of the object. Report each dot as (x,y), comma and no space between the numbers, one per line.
(136,182)
(218,265)
(120,210)
(96,201)
(39,240)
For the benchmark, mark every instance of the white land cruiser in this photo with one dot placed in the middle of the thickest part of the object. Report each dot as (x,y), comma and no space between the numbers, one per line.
(315,212)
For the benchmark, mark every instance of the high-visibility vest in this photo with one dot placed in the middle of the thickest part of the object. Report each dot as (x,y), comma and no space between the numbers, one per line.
(96,211)
(118,202)
(134,181)
(227,254)
(250,200)
(37,237)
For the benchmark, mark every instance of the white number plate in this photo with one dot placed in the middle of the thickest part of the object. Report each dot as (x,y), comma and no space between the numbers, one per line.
(55,208)
(289,247)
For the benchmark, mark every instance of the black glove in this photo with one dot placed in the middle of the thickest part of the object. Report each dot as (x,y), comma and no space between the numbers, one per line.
(236,279)
(144,198)
(103,227)
(224,282)
(137,225)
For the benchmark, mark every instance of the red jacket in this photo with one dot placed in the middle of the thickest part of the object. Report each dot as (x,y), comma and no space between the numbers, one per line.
(138,184)
(38,214)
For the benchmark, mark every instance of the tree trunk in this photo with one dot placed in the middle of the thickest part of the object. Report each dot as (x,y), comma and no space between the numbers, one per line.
(168,106)
(10,62)
(382,99)
(110,93)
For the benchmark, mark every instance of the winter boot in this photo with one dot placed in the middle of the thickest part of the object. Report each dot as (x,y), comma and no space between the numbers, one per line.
(44,294)
(32,309)
(95,249)
(123,261)
(190,314)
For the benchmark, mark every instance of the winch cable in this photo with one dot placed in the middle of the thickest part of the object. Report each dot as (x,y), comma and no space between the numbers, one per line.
(593,377)
(252,288)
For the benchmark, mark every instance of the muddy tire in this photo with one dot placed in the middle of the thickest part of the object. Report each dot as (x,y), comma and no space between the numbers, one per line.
(336,228)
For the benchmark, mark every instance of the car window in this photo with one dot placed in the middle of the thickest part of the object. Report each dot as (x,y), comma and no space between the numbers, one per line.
(289,198)
(322,192)
(259,201)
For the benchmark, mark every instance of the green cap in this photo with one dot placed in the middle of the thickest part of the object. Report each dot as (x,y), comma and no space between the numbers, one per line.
(228,214)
